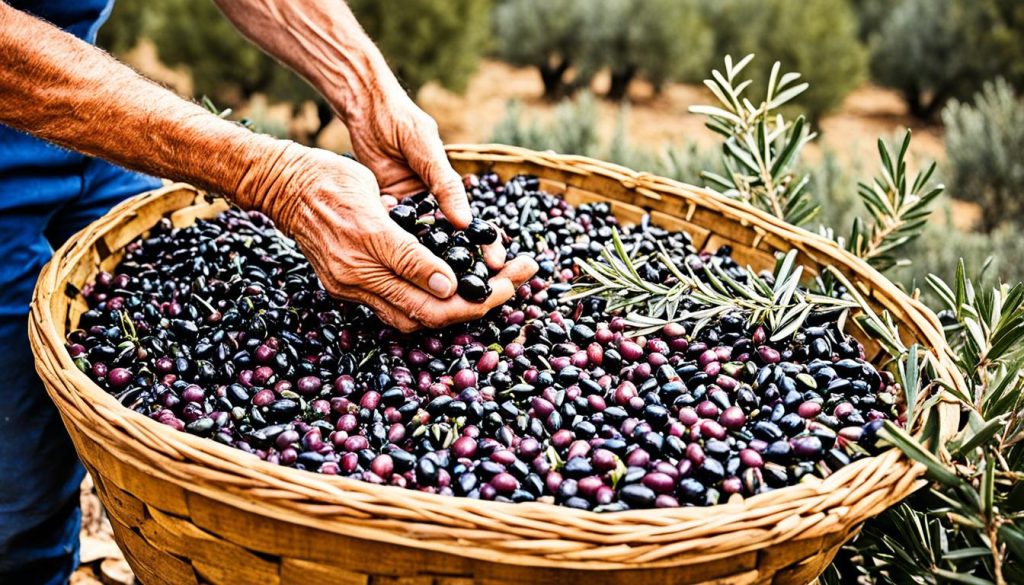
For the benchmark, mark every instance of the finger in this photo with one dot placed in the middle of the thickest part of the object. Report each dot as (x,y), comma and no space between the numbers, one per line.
(389,313)
(516,272)
(433,313)
(430,162)
(384,309)
(494,255)
(413,262)
(405,187)
(388,201)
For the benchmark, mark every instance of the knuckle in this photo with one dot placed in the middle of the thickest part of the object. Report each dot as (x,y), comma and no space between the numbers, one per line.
(424,124)
(449,181)
(421,313)
(406,257)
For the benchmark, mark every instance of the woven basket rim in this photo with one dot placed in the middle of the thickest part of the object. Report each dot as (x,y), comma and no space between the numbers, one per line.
(345,499)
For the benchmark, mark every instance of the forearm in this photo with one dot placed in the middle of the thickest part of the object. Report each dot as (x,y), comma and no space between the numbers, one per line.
(321,41)
(63,90)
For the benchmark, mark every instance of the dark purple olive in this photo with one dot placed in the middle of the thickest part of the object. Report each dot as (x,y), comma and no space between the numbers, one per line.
(436,241)
(809,447)
(405,216)
(692,491)
(504,483)
(732,418)
(637,495)
(459,258)
(308,385)
(661,483)
(119,378)
(473,288)
(383,465)
(480,232)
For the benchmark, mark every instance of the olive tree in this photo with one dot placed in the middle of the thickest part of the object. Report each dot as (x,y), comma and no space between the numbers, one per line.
(918,51)
(935,50)
(546,34)
(660,40)
(818,38)
(428,40)
(984,142)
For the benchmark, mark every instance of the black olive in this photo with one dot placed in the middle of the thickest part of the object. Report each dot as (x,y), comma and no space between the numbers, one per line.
(473,288)
(480,232)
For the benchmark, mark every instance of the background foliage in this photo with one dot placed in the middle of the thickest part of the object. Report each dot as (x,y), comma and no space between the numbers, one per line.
(984,142)
(818,38)
(545,34)
(918,47)
(428,40)
(659,40)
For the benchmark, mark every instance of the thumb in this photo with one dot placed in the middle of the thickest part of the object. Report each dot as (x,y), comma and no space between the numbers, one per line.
(413,262)
(430,162)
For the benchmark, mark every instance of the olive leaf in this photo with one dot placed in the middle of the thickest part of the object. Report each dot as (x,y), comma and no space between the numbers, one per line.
(898,207)
(761,147)
(784,306)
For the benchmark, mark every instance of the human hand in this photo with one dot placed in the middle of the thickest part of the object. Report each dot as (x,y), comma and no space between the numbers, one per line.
(400,143)
(332,207)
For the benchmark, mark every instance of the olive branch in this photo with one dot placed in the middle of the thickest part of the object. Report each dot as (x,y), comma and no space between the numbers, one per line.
(760,146)
(760,153)
(783,305)
(899,209)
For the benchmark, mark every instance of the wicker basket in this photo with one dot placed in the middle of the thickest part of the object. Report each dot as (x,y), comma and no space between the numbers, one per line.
(188,510)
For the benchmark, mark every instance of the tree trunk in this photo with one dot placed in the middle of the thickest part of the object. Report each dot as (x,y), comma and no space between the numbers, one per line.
(925,107)
(621,79)
(551,76)
(916,103)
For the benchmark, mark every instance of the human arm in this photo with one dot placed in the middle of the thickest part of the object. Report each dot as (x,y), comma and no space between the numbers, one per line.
(322,41)
(61,89)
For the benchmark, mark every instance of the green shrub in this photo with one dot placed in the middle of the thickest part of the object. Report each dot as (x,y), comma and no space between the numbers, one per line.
(918,50)
(993,41)
(512,129)
(545,34)
(572,130)
(818,38)
(935,50)
(127,24)
(984,143)
(833,184)
(223,64)
(428,40)
(941,246)
(686,163)
(870,16)
(660,40)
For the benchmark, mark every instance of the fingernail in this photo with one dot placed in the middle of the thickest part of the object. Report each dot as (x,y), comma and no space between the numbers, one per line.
(440,285)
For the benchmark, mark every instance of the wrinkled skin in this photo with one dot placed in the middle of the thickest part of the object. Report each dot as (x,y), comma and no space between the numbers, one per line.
(331,205)
(368,258)
(400,144)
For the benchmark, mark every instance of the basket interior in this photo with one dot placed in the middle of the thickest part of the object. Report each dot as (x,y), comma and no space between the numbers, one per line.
(753,243)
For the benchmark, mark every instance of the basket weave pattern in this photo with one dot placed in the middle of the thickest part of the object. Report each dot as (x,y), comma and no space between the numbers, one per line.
(190,510)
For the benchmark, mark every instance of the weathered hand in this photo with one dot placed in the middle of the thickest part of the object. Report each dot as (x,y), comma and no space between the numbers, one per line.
(333,208)
(399,142)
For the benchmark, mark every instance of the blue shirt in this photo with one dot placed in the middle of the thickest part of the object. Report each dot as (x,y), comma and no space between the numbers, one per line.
(48,193)
(81,18)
